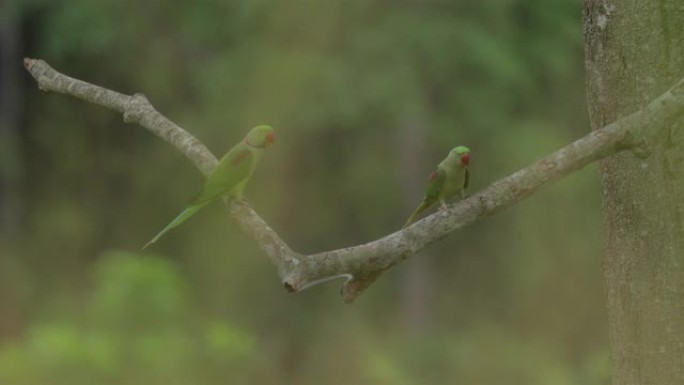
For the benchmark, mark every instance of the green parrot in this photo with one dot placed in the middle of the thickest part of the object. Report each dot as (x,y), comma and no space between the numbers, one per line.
(229,177)
(448,180)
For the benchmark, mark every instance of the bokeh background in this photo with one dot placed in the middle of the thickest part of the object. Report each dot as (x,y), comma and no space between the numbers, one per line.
(366,97)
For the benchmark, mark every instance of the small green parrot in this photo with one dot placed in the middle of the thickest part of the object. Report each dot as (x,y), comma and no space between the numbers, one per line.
(229,177)
(448,180)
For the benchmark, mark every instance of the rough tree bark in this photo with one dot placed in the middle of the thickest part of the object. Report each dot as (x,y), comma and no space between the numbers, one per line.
(634,51)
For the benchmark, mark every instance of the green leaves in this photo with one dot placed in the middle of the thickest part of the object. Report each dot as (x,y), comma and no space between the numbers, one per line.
(137,327)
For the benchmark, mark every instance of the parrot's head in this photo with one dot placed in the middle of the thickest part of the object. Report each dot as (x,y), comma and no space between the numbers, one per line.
(462,153)
(260,136)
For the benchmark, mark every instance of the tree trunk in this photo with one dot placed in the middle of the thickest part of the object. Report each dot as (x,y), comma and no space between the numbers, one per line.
(416,286)
(634,52)
(10,109)
(10,163)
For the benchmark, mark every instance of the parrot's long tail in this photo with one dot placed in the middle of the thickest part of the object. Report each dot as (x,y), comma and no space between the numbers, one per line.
(421,207)
(182,217)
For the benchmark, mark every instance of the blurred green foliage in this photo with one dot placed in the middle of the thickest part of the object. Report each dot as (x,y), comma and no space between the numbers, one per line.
(515,299)
(136,327)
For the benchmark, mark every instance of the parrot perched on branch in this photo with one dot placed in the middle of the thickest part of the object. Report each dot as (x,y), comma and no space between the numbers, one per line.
(448,180)
(229,177)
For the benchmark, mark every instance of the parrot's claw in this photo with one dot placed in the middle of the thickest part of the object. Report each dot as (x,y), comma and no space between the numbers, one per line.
(238,200)
(642,150)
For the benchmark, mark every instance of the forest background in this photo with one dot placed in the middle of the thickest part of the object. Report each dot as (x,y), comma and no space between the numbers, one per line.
(366,97)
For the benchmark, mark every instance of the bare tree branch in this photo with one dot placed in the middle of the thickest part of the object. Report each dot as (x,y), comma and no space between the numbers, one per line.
(363,264)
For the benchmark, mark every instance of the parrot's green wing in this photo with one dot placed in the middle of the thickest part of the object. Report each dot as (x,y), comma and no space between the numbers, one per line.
(432,193)
(435,186)
(467,179)
(233,169)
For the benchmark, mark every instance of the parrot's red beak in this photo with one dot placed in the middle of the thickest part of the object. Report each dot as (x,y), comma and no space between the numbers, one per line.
(270,138)
(465,158)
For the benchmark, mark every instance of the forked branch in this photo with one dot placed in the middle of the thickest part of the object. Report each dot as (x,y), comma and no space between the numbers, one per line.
(362,264)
